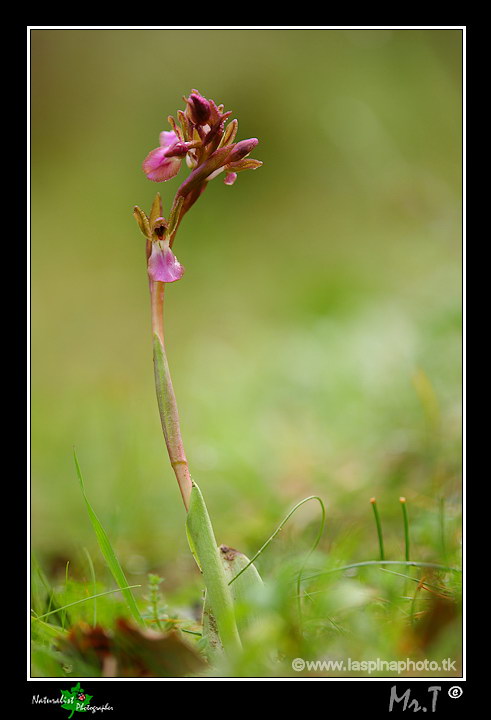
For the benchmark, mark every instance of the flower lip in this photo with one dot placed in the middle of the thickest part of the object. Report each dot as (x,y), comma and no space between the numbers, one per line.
(163,266)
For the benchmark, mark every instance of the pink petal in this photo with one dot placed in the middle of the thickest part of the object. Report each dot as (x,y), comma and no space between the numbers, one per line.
(168,138)
(230,178)
(163,266)
(158,167)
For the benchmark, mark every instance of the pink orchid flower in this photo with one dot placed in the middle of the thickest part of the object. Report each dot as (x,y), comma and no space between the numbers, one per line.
(164,162)
(163,266)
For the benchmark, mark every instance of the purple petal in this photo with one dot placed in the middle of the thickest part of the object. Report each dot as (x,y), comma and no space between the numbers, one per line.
(163,266)
(158,167)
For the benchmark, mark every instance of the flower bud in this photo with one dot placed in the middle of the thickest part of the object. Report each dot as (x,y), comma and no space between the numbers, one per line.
(242,148)
(179,149)
(198,108)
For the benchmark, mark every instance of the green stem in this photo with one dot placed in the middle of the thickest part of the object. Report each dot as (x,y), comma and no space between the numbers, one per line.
(379,528)
(198,523)
(402,500)
(169,415)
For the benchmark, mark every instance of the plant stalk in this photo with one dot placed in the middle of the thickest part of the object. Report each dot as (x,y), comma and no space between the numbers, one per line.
(169,415)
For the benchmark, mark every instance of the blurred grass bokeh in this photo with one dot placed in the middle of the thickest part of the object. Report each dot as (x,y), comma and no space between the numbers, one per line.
(314,340)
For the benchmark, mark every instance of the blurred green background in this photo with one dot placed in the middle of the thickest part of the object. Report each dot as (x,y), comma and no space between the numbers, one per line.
(314,340)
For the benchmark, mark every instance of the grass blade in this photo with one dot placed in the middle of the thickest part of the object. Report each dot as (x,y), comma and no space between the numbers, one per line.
(369,563)
(272,537)
(94,584)
(90,597)
(108,552)
(280,527)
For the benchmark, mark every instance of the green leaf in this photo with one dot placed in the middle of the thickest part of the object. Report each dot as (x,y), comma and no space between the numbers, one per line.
(108,552)
(233,563)
(204,547)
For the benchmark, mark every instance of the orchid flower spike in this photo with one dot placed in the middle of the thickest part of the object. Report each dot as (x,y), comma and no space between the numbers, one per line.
(200,132)
(202,137)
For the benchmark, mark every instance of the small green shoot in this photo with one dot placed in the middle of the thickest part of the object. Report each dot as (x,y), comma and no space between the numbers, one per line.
(156,611)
